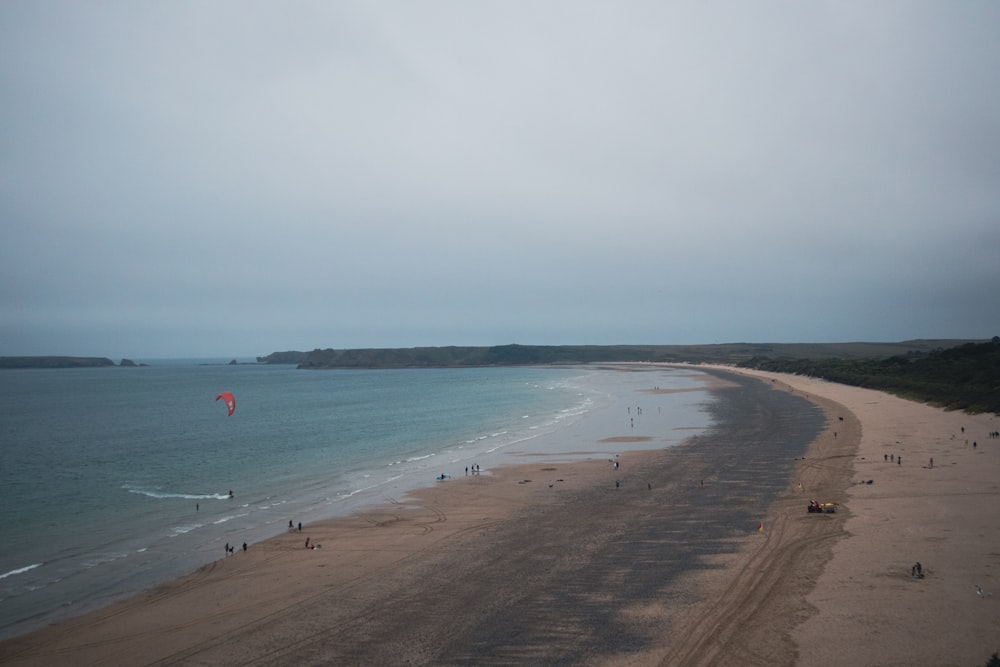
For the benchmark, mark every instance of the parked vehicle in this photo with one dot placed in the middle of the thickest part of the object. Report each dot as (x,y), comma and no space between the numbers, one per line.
(823,508)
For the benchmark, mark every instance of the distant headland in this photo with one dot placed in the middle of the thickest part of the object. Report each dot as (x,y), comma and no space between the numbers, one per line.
(528,355)
(62,362)
(954,374)
(958,374)
(524,355)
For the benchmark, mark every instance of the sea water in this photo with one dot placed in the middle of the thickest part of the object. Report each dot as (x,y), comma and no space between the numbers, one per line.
(115,479)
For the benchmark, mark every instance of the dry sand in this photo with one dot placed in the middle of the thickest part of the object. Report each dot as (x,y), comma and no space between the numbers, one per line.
(866,608)
(658,563)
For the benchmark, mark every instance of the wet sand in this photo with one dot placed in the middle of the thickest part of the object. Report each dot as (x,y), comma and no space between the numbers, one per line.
(701,554)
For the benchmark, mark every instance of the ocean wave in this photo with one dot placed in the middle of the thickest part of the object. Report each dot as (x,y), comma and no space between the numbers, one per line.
(154,493)
(181,530)
(20,570)
(101,559)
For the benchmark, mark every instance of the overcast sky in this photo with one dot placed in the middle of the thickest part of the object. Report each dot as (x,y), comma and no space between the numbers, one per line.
(231,179)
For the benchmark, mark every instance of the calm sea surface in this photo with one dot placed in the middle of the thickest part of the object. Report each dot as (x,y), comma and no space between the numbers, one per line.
(114,479)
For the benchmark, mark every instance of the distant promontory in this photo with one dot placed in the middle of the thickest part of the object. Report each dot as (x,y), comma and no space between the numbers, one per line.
(284,358)
(522,355)
(60,362)
(954,374)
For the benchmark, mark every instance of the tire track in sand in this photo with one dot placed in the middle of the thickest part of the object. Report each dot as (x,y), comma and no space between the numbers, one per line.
(779,573)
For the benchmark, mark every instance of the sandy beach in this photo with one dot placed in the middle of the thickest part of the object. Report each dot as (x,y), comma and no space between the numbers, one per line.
(865,608)
(701,554)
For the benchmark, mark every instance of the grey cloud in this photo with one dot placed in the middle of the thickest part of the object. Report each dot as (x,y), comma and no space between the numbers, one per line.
(451,173)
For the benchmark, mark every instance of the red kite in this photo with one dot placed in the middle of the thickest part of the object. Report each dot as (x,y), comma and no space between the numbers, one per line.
(230,401)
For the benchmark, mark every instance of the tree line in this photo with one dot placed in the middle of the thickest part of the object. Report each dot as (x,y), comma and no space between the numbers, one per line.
(966,377)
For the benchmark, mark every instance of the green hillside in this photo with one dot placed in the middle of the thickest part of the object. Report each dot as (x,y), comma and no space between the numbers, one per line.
(966,377)
(509,355)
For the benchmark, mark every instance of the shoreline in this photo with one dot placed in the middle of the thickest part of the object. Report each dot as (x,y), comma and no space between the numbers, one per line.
(130,535)
(577,563)
(539,557)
